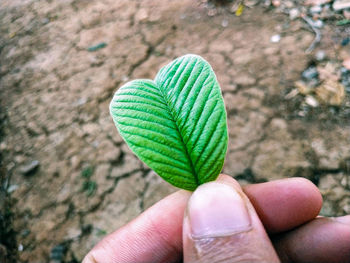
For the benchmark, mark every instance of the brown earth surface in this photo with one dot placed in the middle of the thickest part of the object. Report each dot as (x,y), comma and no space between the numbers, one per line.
(55,95)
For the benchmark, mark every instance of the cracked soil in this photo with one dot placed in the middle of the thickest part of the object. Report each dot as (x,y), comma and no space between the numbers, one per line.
(55,96)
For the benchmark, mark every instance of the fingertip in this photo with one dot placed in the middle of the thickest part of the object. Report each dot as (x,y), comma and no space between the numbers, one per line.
(286,203)
(321,240)
(308,190)
(226,179)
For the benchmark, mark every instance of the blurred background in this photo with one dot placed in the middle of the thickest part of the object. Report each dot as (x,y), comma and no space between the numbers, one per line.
(67,177)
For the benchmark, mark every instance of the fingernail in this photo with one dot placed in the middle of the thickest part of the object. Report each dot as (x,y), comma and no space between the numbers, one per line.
(217,210)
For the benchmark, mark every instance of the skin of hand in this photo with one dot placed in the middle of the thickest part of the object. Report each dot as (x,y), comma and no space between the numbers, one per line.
(222,222)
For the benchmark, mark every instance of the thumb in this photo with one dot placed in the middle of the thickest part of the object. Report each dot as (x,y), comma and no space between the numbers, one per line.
(221,225)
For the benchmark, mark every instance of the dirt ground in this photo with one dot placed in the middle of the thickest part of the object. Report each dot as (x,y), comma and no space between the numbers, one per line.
(73,179)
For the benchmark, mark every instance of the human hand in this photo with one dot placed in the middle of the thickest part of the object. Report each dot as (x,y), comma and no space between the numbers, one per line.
(213,229)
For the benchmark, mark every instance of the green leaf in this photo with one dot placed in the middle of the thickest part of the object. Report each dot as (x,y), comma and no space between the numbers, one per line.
(89,187)
(176,124)
(87,172)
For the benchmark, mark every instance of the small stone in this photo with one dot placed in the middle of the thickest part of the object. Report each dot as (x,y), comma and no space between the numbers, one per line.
(310,73)
(275,38)
(316,2)
(75,161)
(276,3)
(316,9)
(294,13)
(19,158)
(311,101)
(318,23)
(320,55)
(29,168)
(20,247)
(224,23)
(141,15)
(341,4)
(3,146)
(57,253)
(12,188)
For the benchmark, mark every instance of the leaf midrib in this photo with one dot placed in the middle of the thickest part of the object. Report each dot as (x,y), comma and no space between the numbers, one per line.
(178,131)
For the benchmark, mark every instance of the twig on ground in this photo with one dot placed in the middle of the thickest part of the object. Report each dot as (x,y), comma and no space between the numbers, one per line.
(318,35)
